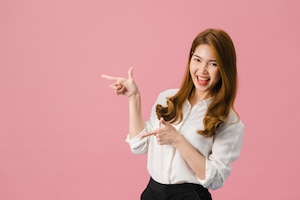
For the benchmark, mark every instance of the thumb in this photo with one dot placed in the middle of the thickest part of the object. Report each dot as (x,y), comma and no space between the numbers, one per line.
(163,122)
(130,73)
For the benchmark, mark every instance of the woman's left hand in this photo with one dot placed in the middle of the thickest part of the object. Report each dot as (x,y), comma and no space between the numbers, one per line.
(166,134)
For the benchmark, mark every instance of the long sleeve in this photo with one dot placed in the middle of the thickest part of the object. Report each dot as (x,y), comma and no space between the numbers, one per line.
(138,145)
(167,166)
(225,150)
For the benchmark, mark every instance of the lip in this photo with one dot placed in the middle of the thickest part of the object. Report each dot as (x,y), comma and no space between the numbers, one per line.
(202,78)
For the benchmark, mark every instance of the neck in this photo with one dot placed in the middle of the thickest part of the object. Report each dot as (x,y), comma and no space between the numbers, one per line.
(198,96)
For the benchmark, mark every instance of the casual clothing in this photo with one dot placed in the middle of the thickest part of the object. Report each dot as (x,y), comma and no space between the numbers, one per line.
(186,191)
(166,166)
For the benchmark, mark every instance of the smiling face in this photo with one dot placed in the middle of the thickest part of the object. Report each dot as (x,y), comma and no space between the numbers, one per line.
(204,71)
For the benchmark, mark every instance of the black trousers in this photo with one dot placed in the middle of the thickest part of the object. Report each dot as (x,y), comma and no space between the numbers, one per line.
(185,191)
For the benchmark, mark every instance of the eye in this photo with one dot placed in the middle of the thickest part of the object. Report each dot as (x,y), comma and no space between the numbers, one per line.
(214,64)
(197,59)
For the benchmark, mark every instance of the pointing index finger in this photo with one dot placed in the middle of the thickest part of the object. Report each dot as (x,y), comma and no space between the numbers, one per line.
(148,134)
(111,78)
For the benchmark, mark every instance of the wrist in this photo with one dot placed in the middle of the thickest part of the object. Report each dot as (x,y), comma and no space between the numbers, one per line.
(135,95)
(177,140)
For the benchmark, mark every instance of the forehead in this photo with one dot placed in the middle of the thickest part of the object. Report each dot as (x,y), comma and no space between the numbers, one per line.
(205,51)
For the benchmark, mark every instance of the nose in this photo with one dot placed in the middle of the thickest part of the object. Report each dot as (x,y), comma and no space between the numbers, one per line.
(203,67)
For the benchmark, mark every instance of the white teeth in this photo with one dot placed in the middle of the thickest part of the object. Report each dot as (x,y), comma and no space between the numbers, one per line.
(202,79)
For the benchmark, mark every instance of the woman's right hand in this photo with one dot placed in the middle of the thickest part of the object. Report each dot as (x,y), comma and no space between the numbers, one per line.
(123,86)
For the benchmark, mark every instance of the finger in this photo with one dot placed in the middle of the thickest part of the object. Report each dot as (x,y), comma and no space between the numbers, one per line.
(111,78)
(163,122)
(115,86)
(148,134)
(120,90)
(130,73)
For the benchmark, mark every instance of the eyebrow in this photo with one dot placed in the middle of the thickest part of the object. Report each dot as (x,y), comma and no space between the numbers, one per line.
(202,58)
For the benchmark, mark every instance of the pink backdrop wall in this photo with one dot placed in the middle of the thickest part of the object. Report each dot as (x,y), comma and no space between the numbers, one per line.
(62,130)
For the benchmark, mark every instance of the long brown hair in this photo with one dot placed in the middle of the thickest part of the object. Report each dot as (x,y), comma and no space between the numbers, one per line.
(224,92)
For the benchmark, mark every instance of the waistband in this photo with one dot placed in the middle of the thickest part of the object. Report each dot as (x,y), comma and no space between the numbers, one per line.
(178,188)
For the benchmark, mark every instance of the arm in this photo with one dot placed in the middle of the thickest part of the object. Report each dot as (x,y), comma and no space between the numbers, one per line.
(192,157)
(212,171)
(167,134)
(226,149)
(136,123)
(127,87)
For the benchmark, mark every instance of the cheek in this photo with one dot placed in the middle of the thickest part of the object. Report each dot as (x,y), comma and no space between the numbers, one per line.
(192,68)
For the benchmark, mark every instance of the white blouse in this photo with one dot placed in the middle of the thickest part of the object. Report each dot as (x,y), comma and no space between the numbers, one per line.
(166,165)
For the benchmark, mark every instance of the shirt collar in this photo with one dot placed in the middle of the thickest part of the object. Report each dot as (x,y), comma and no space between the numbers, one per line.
(204,102)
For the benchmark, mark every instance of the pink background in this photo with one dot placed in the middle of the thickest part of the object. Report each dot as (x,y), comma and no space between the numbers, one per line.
(62,130)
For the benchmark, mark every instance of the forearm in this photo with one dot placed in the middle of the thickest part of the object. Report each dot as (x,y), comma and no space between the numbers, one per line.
(136,122)
(195,160)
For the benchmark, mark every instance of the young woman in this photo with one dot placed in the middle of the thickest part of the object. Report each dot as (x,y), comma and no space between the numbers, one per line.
(193,134)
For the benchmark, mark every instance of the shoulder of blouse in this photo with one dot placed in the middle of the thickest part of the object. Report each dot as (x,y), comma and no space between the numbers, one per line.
(233,117)
(169,92)
(233,122)
(165,94)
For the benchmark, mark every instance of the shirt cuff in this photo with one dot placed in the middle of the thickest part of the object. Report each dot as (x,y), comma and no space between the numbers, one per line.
(136,143)
(210,174)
